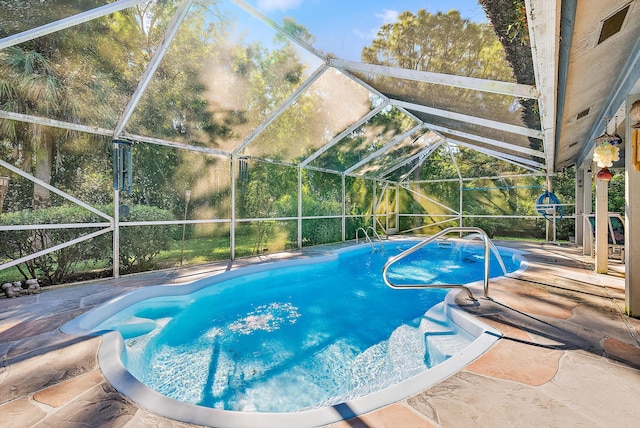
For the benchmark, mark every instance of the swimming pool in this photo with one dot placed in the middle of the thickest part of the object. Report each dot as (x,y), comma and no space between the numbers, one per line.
(291,338)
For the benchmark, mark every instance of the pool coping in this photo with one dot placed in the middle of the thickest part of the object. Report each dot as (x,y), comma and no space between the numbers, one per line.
(125,383)
(110,351)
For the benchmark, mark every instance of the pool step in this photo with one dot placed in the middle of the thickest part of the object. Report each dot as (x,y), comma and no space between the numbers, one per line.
(407,349)
(435,321)
(442,337)
(442,347)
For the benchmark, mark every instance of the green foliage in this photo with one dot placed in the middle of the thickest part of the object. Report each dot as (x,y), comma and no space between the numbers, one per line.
(616,192)
(519,29)
(59,265)
(321,231)
(139,245)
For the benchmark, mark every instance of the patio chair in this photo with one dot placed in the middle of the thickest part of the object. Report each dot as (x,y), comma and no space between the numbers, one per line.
(615,237)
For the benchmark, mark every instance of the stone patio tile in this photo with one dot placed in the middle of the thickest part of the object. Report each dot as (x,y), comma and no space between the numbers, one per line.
(103,296)
(537,302)
(470,400)
(101,406)
(575,286)
(543,331)
(393,416)
(32,374)
(16,305)
(603,317)
(42,343)
(8,325)
(73,293)
(144,418)
(510,360)
(592,383)
(20,413)
(32,327)
(507,329)
(62,393)
(622,351)
(601,390)
(595,324)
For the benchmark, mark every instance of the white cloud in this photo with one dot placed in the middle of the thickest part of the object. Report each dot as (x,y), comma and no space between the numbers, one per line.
(282,5)
(388,16)
(366,35)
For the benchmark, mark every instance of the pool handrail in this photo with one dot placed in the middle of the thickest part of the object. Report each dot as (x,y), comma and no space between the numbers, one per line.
(488,245)
(376,235)
(367,237)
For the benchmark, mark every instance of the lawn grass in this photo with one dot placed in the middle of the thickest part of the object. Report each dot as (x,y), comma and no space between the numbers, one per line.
(211,249)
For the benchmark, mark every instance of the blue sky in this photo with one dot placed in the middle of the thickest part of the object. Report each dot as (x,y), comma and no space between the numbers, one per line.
(345,26)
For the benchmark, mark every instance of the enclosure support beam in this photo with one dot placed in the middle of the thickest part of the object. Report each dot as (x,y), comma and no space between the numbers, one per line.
(300,207)
(587,202)
(169,34)
(515,129)
(344,133)
(579,195)
(54,189)
(374,207)
(386,202)
(460,185)
(344,207)
(397,207)
(232,226)
(421,156)
(602,226)
(281,108)
(516,160)
(116,232)
(68,22)
(489,141)
(383,149)
(632,222)
(472,83)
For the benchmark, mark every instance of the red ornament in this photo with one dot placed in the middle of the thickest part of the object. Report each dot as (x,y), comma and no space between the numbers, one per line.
(604,174)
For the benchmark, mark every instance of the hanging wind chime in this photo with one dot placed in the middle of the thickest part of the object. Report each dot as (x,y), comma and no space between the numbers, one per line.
(606,152)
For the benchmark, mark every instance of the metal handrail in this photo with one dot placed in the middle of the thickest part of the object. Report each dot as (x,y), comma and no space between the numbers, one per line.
(376,235)
(487,246)
(366,236)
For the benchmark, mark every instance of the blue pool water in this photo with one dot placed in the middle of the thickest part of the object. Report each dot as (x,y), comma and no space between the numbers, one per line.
(307,336)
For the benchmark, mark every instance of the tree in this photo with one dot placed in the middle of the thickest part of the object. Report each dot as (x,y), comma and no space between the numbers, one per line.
(67,75)
(509,19)
(443,43)
(30,84)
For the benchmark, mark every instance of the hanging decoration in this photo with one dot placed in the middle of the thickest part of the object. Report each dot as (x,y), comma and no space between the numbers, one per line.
(122,165)
(606,152)
(636,149)
(634,116)
(604,174)
(614,139)
(243,174)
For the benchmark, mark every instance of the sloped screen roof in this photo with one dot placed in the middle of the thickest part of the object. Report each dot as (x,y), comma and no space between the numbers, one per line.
(243,78)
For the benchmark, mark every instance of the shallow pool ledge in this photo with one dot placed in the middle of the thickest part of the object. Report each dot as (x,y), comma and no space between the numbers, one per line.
(111,364)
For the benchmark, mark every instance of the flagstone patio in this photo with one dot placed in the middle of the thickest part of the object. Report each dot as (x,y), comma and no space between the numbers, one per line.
(569,355)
